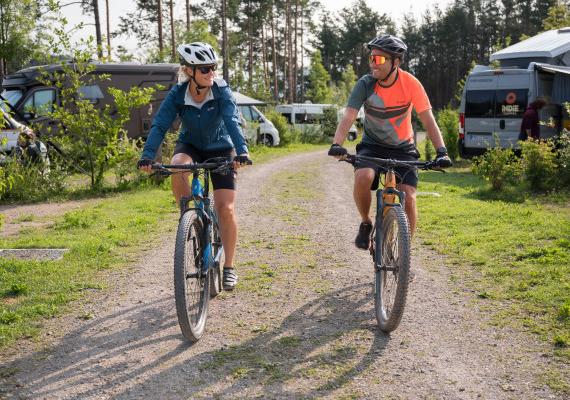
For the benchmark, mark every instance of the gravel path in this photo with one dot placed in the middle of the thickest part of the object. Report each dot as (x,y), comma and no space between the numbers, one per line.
(300,325)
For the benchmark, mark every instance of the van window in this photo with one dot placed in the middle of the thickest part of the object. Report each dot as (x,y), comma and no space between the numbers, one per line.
(480,103)
(92,93)
(255,115)
(246,112)
(287,115)
(40,102)
(12,97)
(306,118)
(511,103)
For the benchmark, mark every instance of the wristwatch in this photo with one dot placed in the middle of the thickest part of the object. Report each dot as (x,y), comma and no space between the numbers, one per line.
(441,150)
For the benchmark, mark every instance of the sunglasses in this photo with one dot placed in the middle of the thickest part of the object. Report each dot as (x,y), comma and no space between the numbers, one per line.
(205,70)
(378,60)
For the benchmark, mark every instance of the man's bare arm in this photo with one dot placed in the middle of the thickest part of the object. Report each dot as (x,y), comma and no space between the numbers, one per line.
(344,125)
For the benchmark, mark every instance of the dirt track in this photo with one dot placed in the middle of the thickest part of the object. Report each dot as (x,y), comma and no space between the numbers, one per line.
(301,324)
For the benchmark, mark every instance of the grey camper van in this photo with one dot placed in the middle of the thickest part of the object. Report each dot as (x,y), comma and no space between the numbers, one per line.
(494,101)
(24,92)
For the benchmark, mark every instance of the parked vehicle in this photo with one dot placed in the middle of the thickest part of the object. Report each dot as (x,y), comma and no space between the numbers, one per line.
(304,116)
(19,141)
(30,100)
(258,129)
(494,101)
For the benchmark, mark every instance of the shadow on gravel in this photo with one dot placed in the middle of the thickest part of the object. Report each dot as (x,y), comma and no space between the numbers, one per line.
(324,344)
(81,357)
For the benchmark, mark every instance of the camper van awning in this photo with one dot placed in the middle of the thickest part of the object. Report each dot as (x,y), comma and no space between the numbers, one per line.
(548,44)
(553,69)
(243,100)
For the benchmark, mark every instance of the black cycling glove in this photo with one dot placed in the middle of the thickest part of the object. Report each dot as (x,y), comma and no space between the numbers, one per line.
(337,150)
(243,160)
(442,160)
(144,162)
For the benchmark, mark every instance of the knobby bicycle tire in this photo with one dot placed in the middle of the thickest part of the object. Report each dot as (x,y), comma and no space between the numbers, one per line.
(191,285)
(216,277)
(391,287)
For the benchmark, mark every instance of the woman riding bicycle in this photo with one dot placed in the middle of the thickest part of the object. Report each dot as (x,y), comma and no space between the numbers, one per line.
(210,128)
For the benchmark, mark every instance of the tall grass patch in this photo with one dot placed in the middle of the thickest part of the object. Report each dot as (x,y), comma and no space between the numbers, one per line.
(101,237)
(519,252)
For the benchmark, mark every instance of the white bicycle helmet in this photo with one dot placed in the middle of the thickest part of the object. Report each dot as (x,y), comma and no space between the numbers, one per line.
(197,53)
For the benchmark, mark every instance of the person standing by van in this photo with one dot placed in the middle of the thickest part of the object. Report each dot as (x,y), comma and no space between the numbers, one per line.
(388,95)
(210,128)
(530,123)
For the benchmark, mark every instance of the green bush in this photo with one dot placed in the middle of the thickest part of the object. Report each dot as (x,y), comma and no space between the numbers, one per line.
(329,122)
(286,134)
(448,121)
(498,166)
(32,183)
(563,160)
(539,164)
(429,150)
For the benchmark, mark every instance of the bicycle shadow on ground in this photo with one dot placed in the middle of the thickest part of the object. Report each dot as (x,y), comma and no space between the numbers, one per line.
(324,344)
(82,356)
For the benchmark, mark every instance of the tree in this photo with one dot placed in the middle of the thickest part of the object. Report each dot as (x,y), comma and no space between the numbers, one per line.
(17,21)
(319,78)
(558,16)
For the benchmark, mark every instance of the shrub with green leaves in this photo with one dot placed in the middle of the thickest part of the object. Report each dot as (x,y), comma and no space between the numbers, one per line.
(498,167)
(563,160)
(286,134)
(429,150)
(448,121)
(538,160)
(329,121)
(31,182)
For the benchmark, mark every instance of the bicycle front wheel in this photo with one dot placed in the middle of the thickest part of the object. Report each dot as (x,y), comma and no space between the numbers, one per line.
(392,269)
(191,283)
(216,286)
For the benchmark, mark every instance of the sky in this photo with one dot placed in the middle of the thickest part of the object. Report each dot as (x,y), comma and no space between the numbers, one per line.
(394,8)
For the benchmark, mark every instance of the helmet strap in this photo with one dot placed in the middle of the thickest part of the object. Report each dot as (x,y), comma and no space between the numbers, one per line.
(389,73)
(198,87)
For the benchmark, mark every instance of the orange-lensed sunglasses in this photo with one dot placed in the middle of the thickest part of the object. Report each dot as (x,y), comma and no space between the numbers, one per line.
(378,60)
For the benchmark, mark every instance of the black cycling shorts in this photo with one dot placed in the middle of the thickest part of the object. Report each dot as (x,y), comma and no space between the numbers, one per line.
(407,176)
(219,181)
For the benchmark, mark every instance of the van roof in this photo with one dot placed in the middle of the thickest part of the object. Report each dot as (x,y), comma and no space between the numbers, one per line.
(548,44)
(29,75)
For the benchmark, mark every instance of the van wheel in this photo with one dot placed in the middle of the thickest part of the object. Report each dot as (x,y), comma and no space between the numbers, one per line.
(351,136)
(266,140)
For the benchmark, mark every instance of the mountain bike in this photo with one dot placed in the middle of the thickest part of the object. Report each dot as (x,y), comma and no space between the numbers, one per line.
(198,251)
(390,240)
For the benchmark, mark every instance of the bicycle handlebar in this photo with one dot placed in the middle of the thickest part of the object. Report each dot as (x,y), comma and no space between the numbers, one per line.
(218,164)
(390,163)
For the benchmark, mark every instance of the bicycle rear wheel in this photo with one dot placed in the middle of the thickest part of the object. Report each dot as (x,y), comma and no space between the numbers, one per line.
(191,284)
(392,269)
(216,286)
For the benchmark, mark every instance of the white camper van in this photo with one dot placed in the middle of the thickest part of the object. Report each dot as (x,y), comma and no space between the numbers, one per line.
(304,116)
(494,101)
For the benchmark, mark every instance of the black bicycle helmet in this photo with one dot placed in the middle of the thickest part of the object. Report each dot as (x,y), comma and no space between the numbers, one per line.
(390,44)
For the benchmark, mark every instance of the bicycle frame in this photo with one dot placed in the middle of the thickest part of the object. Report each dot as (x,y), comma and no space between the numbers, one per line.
(386,197)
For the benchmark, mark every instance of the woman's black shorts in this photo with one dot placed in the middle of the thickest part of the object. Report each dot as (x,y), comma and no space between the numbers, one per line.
(228,181)
(404,175)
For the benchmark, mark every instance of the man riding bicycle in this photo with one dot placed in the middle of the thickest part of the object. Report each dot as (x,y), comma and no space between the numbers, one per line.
(388,95)
(210,128)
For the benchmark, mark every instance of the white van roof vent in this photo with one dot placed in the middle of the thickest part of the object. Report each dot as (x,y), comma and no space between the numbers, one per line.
(564,30)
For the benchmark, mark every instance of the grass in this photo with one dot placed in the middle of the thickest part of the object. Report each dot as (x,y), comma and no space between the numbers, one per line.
(517,252)
(101,237)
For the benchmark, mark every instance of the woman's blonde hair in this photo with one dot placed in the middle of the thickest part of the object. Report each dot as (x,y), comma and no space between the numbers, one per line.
(182,75)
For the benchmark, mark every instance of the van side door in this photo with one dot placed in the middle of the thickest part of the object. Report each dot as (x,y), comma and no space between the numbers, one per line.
(480,111)
(36,106)
(510,104)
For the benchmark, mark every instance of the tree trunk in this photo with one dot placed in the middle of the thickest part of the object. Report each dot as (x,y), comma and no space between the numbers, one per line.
(285,52)
(295,71)
(274,51)
(302,94)
(188,15)
(160,41)
(250,45)
(98,29)
(108,30)
(225,55)
(265,61)
(172,37)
